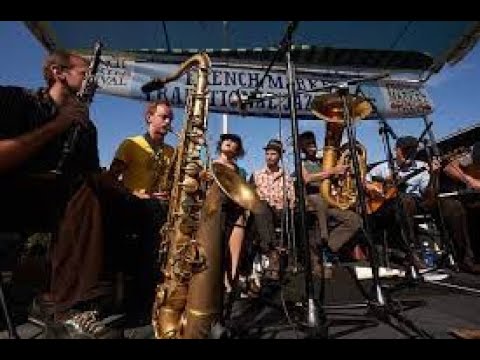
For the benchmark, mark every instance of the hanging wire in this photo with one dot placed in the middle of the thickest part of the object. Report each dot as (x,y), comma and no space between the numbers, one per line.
(167,40)
(400,35)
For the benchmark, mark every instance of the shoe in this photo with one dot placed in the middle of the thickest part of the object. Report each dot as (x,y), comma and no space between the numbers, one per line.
(473,334)
(249,288)
(272,270)
(81,325)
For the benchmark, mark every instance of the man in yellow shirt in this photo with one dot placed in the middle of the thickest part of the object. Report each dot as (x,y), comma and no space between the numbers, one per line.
(144,165)
(143,162)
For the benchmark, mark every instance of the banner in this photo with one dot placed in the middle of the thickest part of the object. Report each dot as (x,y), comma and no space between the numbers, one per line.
(392,98)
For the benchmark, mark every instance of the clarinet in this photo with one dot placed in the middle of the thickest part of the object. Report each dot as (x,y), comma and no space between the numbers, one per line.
(85,95)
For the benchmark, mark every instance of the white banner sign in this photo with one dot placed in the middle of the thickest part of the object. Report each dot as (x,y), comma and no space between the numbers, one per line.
(393,99)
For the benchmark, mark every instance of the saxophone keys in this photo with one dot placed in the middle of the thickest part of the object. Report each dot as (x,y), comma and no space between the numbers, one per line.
(190,185)
(192,169)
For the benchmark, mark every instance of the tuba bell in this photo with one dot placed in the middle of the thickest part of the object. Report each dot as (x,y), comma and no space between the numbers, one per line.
(340,192)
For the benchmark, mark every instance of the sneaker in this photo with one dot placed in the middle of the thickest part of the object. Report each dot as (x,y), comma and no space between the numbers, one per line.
(272,270)
(434,276)
(81,325)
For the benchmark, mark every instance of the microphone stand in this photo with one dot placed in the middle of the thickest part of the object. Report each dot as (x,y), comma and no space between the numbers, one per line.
(386,133)
(432,152)
(352,144)
(383,307)
(287,237)
(316,319)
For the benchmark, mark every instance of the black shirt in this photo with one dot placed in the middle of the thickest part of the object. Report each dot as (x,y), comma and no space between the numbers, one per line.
(23,110)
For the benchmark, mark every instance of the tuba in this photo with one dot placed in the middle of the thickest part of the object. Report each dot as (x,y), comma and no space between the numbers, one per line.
(340,192)
(189,300)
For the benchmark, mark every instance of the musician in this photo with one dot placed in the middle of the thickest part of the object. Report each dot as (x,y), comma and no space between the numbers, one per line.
(144,164)
(33,131)
(230,149)
(346,222)
(457,168)
(416,180)
(141,162)
(457,211)
(271,182)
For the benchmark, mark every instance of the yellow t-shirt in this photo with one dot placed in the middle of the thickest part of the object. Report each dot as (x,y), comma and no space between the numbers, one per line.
(145,170)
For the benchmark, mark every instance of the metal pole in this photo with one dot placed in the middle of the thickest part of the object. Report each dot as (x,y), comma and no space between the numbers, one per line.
(316,319)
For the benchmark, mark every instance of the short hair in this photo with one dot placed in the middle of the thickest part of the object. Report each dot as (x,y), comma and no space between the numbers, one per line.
(476,153)
(408,145)
(236,139)
(152,106)
(306,138)
(62,58)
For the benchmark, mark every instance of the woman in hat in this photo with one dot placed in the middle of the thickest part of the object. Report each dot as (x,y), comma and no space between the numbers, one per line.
(230,149)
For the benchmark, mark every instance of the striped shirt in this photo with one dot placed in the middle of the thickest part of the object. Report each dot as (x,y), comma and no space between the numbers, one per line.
(270,187)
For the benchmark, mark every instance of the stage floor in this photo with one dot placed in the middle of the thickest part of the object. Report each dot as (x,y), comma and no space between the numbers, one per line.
(438,308)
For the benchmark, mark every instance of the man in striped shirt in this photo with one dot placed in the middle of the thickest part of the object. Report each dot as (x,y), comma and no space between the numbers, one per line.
(275,189)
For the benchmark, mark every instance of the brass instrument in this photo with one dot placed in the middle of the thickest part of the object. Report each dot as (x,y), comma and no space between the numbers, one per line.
(205,293)
(235,187)
(341,192)
(190,298)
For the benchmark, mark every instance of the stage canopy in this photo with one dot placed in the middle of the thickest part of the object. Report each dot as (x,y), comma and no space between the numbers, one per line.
(409,45)
(323,52)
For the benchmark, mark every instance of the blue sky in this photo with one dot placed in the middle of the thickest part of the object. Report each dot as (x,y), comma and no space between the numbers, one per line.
(455,92)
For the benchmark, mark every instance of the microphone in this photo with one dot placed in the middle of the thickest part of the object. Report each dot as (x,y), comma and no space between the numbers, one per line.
(241,99)
(386,128)
(292,26)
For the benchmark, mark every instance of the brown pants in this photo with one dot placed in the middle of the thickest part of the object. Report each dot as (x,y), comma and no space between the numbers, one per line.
(337,227)
(78,252)
(90,244)
(90,226)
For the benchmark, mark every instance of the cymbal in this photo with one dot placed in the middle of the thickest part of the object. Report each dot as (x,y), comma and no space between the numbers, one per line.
(329,107)
(235,187)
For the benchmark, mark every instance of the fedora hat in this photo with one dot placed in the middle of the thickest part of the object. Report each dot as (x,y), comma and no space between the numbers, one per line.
(274,144)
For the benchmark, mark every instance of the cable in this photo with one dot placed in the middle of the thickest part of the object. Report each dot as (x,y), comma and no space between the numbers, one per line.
(167,40)
(400,35)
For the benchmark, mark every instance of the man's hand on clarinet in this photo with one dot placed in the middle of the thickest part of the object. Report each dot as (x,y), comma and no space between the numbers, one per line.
(73,112)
